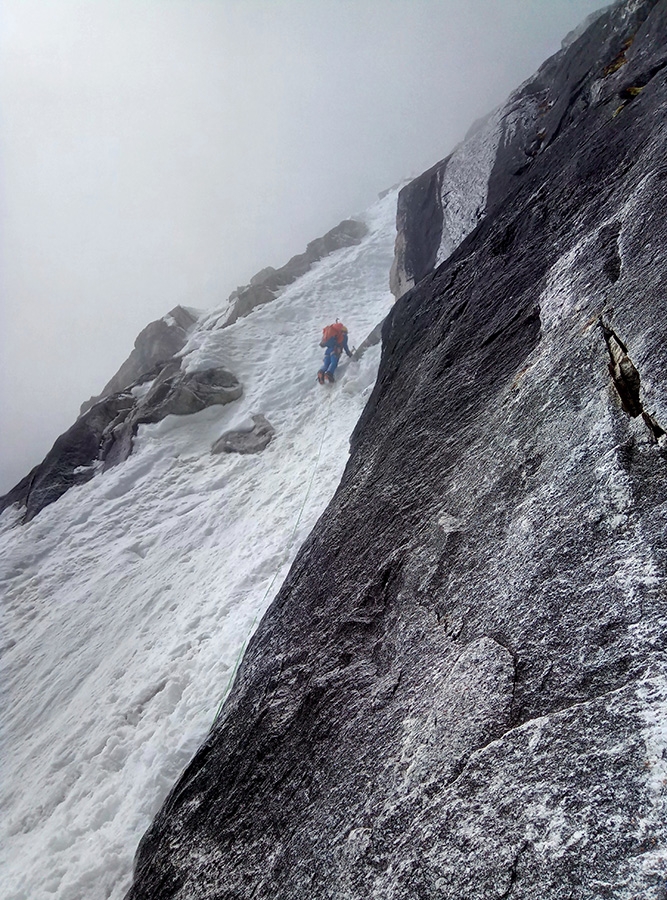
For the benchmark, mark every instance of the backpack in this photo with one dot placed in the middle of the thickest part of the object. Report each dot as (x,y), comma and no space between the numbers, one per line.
(337,330)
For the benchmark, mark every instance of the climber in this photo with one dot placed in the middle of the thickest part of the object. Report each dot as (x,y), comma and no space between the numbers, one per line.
(334,340)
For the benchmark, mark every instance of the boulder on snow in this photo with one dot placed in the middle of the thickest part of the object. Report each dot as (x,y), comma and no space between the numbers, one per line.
(175,393)
(253,440)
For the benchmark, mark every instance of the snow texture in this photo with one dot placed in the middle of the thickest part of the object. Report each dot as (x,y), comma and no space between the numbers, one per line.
(128,603)
(465,182)
(466,175)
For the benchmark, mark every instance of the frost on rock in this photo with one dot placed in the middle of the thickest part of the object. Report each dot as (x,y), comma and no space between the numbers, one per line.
(463,180)
(465,183)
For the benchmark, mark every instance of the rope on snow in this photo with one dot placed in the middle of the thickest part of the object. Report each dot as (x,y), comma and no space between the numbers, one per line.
(244,645)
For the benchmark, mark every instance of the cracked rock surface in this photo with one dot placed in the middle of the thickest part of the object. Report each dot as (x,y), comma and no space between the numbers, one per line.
(461,690)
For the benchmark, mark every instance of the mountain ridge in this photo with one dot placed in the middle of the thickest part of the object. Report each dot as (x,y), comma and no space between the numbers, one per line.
(151,385)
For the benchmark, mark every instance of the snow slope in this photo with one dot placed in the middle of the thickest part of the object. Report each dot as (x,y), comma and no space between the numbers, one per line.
(129,601)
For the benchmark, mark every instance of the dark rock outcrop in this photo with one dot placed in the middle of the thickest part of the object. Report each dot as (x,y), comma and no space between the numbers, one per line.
(158,343)
(265,286)
(173,393)
(102,437)
(419,221)
(253,440)
(176,393)
(72,460)
(460,690)
(440,208)
(577,32)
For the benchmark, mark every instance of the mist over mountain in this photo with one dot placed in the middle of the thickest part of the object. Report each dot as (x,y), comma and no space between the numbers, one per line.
(402,634)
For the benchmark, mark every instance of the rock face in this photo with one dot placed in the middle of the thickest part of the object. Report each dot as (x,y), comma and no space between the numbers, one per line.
(173,393)
(72,460)
(103,436)
(461,689)
(419,223)
(441,207)
(158,343)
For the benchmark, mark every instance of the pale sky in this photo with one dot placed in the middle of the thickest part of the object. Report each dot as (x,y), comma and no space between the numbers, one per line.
(155,152)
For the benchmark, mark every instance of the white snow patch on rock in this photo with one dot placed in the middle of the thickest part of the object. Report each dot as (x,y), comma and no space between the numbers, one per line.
(465,184)
(653,695)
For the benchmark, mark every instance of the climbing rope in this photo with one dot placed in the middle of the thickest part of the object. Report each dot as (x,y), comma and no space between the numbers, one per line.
(244,645)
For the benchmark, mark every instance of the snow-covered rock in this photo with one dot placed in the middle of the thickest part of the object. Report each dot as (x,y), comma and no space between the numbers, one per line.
(248,440)
(104,435)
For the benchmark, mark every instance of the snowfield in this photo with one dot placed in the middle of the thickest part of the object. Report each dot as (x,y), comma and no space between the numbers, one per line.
(127,604)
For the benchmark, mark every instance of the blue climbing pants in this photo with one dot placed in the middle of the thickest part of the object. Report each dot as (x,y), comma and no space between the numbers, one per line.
(331,358)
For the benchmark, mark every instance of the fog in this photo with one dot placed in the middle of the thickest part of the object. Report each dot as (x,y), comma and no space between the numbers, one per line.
(156,152)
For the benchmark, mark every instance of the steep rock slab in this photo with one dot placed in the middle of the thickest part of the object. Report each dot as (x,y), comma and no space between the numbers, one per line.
(419,222)
(461,689)
(440,208)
